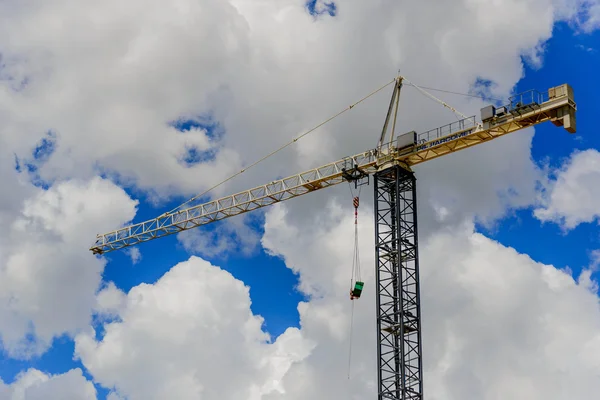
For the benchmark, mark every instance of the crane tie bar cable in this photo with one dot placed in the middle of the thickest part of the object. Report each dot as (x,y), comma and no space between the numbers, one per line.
(282,147)
(458,93)
(436,99)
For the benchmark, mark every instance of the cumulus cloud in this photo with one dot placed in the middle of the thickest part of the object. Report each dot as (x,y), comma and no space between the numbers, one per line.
(494,321)
(582,14)
(324,275)
(48,277)
(134,253)
(222,239)
(109,81)
(477,183)
(572,196)
(15,187)
(506,319)
(110,301)
(189,335)
(36,385)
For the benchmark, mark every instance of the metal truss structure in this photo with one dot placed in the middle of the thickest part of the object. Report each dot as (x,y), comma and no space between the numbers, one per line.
(400,372)
(248,200)
(556,106)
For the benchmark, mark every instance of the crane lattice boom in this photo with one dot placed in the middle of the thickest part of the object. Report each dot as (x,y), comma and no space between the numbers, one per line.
(527,109)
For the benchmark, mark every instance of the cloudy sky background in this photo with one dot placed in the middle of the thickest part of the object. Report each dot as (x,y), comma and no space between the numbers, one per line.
(118,111)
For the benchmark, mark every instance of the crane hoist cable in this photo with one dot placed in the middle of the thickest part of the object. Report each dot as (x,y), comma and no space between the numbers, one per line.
(356,283)
(350,345)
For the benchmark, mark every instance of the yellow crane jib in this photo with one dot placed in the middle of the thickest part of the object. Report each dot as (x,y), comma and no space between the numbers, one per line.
(523,110)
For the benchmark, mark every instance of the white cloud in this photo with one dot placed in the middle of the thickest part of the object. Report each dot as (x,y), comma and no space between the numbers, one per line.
(586,277)
(320,247)
(478,183)
(508,323)
(572,197)
(593,22)
(36,385)
(595,257)
(190,335)
(110,300)
(109,78)
(48,276)
(134,253)
(14,187)
(222,239)
(493,319)
(583,14)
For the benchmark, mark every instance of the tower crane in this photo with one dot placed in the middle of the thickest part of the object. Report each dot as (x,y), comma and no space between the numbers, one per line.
(399,346)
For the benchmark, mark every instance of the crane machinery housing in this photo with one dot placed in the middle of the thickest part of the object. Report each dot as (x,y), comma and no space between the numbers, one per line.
(399,346)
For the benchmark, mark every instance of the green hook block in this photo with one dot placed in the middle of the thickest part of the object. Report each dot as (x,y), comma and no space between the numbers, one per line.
(358,287)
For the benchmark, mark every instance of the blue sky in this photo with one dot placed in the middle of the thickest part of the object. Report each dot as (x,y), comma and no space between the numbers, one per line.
(568,58)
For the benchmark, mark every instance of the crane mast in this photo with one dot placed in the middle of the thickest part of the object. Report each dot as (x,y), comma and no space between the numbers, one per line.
(400,370)
(399,346)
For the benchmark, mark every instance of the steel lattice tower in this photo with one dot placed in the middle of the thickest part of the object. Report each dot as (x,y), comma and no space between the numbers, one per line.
(400,373)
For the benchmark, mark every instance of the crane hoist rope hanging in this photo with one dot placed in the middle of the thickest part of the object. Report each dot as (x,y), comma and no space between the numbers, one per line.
(356,283)
(282,147)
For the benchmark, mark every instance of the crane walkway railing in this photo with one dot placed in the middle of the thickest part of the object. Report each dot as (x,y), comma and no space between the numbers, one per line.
(248,200)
